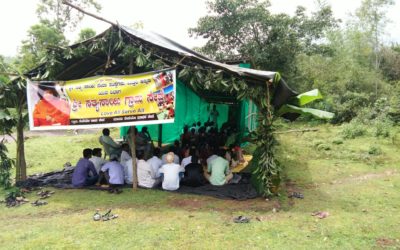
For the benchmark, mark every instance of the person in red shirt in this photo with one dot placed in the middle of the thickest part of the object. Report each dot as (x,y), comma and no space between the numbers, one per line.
(51,109)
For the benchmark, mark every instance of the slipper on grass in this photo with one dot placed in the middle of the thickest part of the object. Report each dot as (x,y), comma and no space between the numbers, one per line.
(241,219)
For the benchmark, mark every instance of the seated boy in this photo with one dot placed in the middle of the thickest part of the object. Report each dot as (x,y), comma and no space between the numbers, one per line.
(219,170)
(84,173)
(115,173)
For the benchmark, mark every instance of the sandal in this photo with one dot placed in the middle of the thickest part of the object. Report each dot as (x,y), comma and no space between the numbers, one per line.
(241,219)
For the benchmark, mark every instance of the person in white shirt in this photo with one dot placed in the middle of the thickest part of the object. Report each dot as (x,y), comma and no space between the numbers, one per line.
(164,156)
(146,175)
(155,162)
(98,162)
(171,173)
(188,156)
(125,156)
(115,173)
(128,174)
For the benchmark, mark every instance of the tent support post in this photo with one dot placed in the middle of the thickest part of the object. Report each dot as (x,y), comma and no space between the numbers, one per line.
(133,153)
(159,135)
(133,146)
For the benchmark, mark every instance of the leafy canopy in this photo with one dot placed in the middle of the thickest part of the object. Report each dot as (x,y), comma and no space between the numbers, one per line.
(247,29)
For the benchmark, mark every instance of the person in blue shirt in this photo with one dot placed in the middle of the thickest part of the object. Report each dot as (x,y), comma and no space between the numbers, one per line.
(81,176)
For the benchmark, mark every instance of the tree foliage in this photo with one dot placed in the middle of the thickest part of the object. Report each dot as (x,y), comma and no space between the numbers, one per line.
(246,28)
(85,34)
(62,16)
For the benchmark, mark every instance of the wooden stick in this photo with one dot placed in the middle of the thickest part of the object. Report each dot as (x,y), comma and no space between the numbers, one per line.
(87,13)
(297,131)
(133,146)
(134,163)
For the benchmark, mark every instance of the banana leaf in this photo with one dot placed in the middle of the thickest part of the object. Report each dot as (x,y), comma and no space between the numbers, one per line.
(306,98)
(287,108)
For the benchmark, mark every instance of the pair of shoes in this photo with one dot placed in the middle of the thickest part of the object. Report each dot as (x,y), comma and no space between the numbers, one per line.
(39,203)
(241,219)
(115,191)
(296,195)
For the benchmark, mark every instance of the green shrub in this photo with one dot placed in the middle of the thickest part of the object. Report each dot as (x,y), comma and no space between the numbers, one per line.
(382,127)
(337,141)
(374,150)
(353,129)
(6,165)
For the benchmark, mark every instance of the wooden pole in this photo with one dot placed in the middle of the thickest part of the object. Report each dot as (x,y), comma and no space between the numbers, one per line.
(159,135)
(132,140)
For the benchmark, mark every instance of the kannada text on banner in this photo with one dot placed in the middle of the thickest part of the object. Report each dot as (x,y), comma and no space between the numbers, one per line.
(133,99)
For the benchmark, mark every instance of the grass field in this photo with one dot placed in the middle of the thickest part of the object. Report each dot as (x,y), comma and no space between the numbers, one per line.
(357,182)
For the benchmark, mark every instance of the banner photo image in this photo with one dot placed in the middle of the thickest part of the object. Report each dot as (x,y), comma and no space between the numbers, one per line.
(102,101)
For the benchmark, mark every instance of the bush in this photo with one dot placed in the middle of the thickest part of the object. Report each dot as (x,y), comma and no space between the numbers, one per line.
(5,167)
(374,150)
(382,127)
(353,129)
(337,141)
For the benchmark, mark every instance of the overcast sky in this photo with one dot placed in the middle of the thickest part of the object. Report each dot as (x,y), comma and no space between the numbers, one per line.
(171,18)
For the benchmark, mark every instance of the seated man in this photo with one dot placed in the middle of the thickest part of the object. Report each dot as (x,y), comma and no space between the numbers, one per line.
(147,177)
(171,173)
(219,169)
(143,142)
(194,174)
(115,173)
(212,157)
(97,160)
(110,146)
(128,171)
(155,161)
(81,175)
(125,154)
(164,156)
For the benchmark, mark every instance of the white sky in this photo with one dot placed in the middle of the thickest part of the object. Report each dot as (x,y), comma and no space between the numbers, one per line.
(171,18)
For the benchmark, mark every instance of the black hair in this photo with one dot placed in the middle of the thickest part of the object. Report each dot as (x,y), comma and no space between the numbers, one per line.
(87,152)
(221,152)
(140,154)
(47,86)
(125,146)
(156,151)
(96,151)
(195,159)
(106,132)
(144,129)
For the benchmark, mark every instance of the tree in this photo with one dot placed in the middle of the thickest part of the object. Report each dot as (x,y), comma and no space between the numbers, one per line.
(372,21)
(85,34)
(61,15)
(44,39)
(247,29)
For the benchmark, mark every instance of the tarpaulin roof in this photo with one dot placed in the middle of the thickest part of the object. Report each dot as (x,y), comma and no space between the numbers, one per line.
(95,63)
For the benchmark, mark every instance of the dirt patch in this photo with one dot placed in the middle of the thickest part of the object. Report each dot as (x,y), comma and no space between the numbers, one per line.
(189,204)
(365,177)
(256,205)
(385,242)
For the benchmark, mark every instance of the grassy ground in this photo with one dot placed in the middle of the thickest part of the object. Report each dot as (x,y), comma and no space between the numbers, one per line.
(360,191)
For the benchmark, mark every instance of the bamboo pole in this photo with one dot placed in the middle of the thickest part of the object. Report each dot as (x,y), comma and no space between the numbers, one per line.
(132,137)
(133,146)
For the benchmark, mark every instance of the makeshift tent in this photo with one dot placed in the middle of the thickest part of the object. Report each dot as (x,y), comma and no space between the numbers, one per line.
(121,50)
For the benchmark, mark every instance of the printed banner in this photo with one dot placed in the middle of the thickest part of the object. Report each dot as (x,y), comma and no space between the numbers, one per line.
(102,101)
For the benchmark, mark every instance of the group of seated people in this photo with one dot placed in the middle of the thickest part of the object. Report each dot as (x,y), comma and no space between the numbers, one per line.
(201,160)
